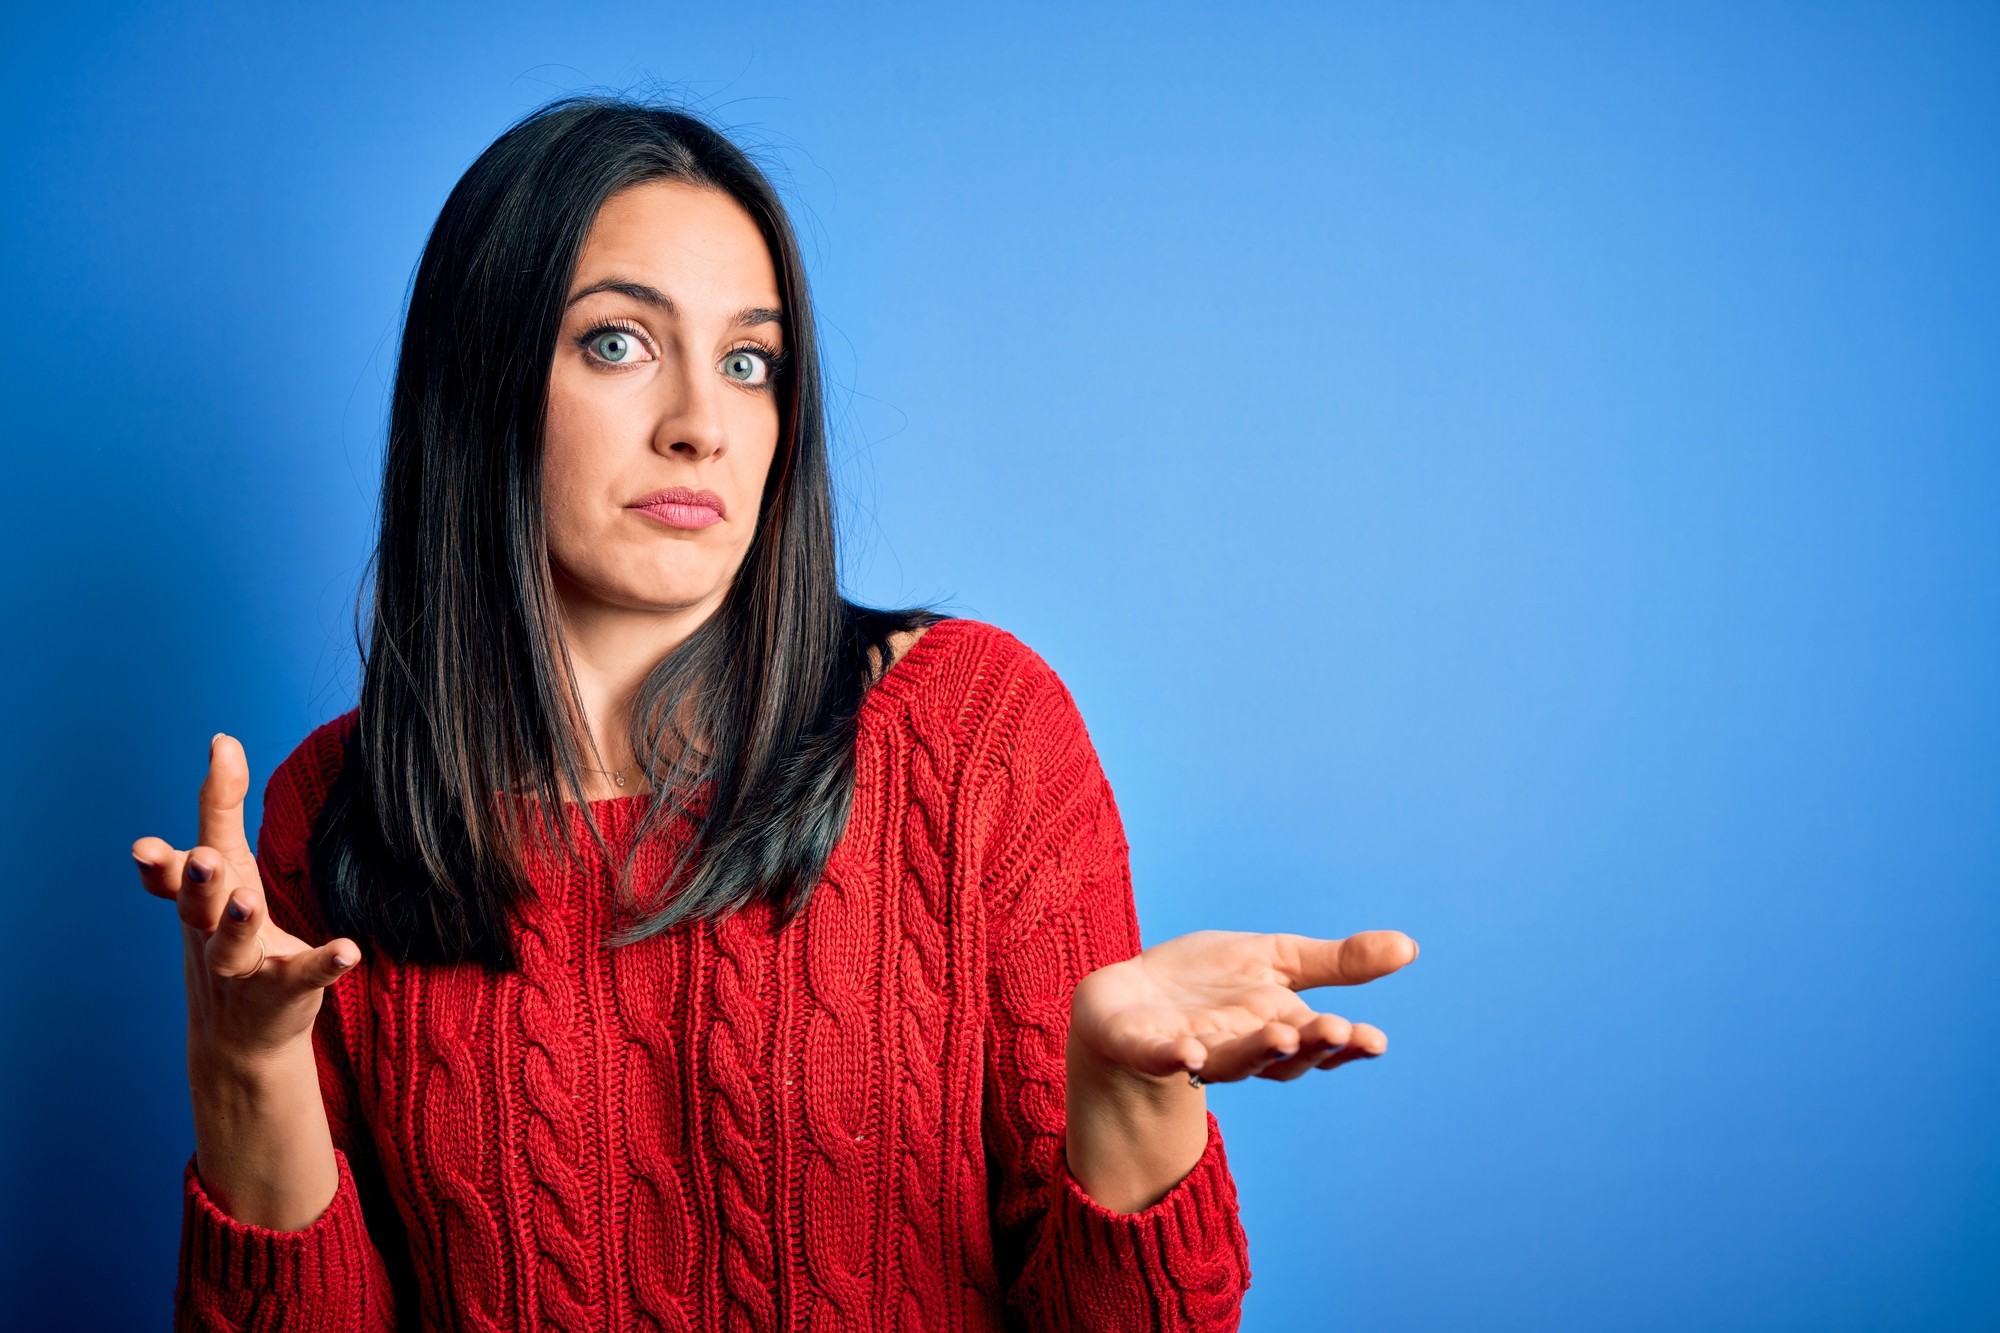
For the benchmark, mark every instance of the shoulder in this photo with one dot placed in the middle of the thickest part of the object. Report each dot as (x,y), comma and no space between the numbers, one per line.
(1037,822)
(298,789)
(968,679)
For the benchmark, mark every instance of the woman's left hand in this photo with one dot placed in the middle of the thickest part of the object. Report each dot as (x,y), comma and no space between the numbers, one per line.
(1217,1003)
(1224,1005)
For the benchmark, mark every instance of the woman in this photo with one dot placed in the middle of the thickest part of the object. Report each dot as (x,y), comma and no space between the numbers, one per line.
(736,957)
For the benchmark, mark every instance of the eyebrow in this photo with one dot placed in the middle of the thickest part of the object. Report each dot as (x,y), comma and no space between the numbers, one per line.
(653,296)
(638,291)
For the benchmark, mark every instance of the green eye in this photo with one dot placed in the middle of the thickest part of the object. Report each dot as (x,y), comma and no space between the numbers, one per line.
(615,347)
(746,367)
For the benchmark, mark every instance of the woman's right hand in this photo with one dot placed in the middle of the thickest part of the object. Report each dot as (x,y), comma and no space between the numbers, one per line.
(253,989)
(262,1146)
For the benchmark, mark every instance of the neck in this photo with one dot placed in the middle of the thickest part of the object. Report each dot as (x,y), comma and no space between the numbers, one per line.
(612,650)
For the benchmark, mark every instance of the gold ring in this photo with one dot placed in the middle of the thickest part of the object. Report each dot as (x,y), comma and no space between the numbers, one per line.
(262,954)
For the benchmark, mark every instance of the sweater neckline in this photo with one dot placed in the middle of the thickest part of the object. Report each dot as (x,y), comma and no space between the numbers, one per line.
(899,668)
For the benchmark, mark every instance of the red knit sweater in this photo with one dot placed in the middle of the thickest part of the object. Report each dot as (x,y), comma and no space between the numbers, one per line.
(853,1123)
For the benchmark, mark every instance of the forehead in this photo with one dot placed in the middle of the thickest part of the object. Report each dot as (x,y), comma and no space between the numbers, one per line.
(687,240)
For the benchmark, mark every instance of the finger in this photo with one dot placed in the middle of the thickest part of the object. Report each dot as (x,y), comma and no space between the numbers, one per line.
(1306,963)
(1171,1055)
(205,885)
(222,794)
(159,867)
(1249,1054)
(1320,1037)
(234,949)
(1152,1054)
(318,968)
(1366,1043)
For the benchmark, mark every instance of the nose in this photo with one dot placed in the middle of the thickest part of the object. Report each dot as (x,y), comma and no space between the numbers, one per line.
(691,427)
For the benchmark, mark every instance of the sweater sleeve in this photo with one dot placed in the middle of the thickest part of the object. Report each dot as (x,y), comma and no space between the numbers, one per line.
(1059,892)
(333,1275)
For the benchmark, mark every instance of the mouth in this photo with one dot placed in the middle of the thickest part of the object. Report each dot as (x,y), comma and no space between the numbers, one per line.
(679,507)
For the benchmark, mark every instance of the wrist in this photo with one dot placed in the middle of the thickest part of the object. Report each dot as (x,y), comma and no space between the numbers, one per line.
(233,1082)
(263,1149)
(1130,1137)
(1099,1076)
(247,1064)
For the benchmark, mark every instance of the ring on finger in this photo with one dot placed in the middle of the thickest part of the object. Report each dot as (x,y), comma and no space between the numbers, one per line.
(262,954)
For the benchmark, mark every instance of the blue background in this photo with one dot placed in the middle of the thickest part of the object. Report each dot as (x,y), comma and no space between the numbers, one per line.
(1521,473)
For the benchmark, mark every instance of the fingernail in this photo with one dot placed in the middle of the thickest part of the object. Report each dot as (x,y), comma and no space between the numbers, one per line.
(341,960)
(216,737)
(1275,1054)
(237,911)
(199,873)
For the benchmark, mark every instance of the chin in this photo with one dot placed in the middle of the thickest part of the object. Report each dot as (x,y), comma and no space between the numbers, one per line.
(670,595)
(668,591)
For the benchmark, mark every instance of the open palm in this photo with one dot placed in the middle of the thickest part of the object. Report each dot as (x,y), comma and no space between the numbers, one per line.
(1225,1004)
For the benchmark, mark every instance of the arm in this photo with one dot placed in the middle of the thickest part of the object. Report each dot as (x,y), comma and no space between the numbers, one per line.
(273,1232)
(1129,1136)
(1096,1226)
(1179,1263)
(1132,1225)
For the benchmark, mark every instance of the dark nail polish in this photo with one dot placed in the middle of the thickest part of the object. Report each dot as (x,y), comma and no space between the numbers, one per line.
(237,911)
(200,873)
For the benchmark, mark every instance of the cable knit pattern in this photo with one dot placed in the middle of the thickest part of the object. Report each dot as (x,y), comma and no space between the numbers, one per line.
(658,1242)
(852,1123)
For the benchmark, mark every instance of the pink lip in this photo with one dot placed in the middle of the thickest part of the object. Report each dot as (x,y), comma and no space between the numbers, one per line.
(679,507)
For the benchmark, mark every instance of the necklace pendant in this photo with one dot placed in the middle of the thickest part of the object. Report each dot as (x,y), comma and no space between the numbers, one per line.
(619,777)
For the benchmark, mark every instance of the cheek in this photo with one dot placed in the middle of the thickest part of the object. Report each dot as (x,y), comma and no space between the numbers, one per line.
(754,444)
(567,431)
(573,457)
(565,522)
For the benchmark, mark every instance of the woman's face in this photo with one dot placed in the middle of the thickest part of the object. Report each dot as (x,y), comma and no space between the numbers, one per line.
(663,409)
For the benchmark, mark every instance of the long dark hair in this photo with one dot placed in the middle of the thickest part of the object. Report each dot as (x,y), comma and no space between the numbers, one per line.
(465,744)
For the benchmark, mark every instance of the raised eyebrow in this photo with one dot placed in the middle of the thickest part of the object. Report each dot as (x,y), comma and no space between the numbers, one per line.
(638,291)
(756,315)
